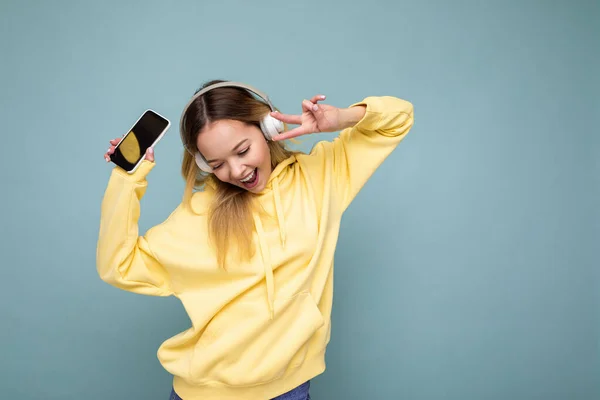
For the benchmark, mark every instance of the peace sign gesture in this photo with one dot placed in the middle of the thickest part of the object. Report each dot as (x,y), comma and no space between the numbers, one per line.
(314,118)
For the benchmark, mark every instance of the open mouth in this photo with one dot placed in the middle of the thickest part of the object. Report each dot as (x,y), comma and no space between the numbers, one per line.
(251,180)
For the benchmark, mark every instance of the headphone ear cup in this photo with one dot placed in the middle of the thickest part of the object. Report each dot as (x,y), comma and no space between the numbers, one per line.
(271,127)
(201,163)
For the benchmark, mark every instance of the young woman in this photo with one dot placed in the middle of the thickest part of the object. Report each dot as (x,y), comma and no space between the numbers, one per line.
(249,251)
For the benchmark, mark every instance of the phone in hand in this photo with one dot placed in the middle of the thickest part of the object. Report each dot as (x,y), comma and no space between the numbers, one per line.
(145,133)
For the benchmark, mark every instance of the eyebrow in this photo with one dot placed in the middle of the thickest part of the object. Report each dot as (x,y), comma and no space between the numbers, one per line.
(237,146)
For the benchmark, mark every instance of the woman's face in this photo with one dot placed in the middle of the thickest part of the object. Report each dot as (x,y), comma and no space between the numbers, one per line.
(237,152)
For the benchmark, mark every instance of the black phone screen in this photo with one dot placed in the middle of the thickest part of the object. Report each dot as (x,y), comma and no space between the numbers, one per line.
(143,134)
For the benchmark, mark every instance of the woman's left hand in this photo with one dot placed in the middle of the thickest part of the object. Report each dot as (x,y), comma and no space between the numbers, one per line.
(315,118)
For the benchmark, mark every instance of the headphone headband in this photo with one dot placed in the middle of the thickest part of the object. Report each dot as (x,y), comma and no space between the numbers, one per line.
(215,86)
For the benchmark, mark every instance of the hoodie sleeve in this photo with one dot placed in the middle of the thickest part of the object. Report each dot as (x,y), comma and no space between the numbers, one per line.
(124,259)
(358,151)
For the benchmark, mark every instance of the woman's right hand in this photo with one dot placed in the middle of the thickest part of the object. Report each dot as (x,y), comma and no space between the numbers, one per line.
(113,144)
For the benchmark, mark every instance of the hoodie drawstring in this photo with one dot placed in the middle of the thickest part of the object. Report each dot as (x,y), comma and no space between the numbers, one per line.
(264,248)
(279,211)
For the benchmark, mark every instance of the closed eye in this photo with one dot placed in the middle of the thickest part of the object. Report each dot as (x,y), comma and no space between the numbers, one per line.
(241,153)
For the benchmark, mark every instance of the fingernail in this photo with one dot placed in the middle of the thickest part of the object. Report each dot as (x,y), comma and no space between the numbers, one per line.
(315,107)
(323,96)
(150,150)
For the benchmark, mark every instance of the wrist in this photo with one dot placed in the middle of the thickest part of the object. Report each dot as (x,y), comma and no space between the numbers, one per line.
(351,116)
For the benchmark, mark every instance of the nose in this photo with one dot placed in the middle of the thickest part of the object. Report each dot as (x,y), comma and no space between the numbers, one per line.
(238,171)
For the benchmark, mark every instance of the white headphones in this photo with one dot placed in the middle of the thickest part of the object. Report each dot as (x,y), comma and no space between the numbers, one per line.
(269,126)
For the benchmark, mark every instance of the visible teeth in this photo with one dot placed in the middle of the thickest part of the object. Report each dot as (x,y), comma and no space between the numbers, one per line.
(249,177)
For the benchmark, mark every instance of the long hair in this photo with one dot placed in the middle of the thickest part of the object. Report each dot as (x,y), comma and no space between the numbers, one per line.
(230,214)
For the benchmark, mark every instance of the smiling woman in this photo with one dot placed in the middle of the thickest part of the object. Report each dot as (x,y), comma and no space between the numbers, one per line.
(237,153)
(249,251)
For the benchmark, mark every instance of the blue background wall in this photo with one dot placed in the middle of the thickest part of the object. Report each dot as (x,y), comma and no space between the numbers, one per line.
(466,269)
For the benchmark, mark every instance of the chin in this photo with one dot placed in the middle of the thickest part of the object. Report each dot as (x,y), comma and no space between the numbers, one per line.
(256,189)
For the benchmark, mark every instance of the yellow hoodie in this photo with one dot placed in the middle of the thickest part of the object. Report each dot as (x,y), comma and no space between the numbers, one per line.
(259,328)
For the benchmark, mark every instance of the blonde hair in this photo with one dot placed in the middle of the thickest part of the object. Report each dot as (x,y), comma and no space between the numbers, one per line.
(230,213)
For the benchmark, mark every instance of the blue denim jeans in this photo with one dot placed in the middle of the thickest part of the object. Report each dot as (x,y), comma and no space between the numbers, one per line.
(299,393)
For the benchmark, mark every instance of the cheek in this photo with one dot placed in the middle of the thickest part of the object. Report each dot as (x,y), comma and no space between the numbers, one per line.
(264,155)
(222,175)
(256,157)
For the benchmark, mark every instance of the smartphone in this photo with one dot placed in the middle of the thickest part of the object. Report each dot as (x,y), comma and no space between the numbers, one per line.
(145,132)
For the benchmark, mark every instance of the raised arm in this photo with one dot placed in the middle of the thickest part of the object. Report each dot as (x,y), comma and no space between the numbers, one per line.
(123,258)
(370,131)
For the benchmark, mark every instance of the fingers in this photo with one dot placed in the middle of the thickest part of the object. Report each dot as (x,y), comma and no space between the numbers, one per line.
(312,105)
(309,106)
(287,118)
(111,149)
(299,131)
(317,98)
(150,154)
